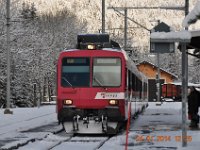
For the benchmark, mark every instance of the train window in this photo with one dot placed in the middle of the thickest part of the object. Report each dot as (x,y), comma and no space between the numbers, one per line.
(134,82)
(129,80)
(75,72)
(106,72)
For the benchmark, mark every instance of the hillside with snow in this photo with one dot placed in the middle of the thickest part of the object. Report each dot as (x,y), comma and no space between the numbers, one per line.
(90,11)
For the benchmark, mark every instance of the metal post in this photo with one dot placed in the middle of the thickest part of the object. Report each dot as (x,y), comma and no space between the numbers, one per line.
(7,110)
(44,90)
(103,16)
(184,84)
(184,94)
(158,77)
(36,99)
(34,94)
(186,7)
(125,28)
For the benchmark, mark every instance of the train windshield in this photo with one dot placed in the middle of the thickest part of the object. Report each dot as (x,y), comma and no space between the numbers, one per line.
(106,72)
(75,72)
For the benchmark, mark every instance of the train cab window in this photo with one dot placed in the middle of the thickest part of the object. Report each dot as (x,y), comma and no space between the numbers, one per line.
(106,72)
(75,72)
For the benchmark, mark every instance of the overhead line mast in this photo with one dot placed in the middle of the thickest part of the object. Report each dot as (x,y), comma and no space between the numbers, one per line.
(7,110)
(103,16)
(184,83)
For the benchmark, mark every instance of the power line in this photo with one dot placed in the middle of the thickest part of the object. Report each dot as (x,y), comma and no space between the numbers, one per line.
(117,9)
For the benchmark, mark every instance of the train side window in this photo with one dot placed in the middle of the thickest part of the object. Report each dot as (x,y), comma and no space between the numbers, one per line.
(133,82)
(129,80)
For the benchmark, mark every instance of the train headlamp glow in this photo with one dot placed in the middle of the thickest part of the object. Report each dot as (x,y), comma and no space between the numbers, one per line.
(67,102)
(91,46)
(113,102)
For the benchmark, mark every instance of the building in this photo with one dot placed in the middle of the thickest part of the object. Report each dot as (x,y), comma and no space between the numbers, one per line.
(150,70)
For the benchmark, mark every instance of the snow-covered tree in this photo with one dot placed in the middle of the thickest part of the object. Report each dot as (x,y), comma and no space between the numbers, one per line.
(36,41)
(194,70)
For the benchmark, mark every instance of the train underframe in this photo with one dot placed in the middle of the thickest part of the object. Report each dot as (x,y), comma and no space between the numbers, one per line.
(91,121)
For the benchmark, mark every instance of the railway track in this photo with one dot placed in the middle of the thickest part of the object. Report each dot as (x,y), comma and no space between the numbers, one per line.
(93,142)
(51,140)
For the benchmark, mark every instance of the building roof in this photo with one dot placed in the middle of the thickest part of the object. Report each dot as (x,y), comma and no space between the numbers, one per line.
(163,70)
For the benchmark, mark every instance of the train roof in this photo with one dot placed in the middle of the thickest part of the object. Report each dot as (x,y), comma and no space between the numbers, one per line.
(99,40)
(103,49)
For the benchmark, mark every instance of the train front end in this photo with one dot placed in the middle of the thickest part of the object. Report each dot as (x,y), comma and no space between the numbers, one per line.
(91,90)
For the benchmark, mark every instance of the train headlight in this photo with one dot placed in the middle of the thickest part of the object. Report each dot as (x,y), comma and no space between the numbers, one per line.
(67,102)
(113,102)
(91,46)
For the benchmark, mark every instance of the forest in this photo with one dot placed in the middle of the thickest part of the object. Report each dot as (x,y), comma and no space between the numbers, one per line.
(41,29)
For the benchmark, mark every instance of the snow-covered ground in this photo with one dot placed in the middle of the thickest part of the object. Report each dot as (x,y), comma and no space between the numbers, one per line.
(158,127)
(13,127)
(26,118)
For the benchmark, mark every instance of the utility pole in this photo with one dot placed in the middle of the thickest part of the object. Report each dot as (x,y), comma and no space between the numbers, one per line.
(184,83)
(34,94)
(158,77)
(103,16)
(184,93)
(7,110)
(158,71)
(125,28)
(186,7)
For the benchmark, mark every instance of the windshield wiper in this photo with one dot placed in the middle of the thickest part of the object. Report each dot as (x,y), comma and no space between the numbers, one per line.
(99,82)
(65,79)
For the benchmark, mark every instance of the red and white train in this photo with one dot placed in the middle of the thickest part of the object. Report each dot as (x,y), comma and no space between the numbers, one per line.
(95,83)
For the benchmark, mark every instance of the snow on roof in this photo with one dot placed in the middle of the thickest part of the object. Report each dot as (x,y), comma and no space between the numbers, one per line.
(179,36)
(189,84)
(193,16)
